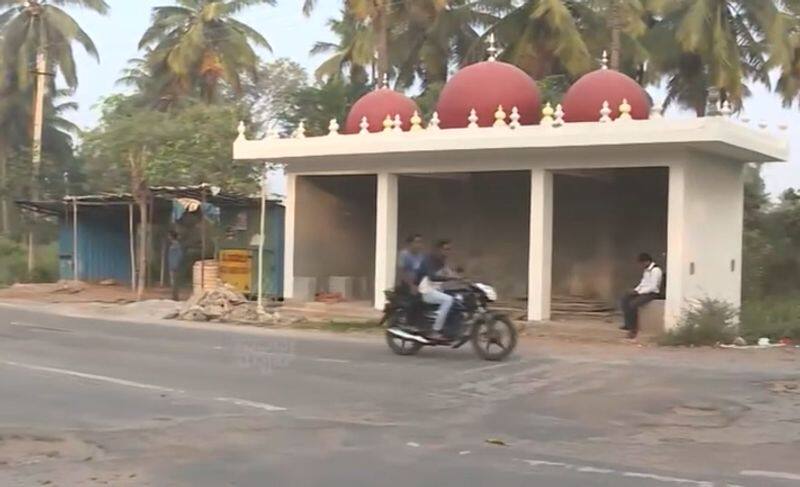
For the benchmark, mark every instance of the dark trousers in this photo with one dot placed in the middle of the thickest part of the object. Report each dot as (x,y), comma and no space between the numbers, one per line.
(173,278)
(630,305)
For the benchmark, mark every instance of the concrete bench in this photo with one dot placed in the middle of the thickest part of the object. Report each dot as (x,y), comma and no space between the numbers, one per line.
(651,318)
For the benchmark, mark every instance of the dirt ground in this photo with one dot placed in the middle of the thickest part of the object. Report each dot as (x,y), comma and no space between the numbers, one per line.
(81,292)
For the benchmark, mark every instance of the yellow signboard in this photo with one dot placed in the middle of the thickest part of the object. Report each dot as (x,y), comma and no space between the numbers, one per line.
(235,269)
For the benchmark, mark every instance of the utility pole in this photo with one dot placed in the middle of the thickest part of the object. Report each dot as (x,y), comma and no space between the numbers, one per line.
(38,122)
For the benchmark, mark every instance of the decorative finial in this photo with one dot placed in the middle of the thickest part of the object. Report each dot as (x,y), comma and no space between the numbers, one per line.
(300,131)
(398,123)
(604,60)
(726,110)
(364,126)
(559,120)
(388,124)
(547,115)
(272,133)
(416,122)
(605,113)
(473,119)
(656,111)
(515,116)
(491,50)
(333,127)
(241,128)
(434,123)
(500,117)
(625,111)
(385,81)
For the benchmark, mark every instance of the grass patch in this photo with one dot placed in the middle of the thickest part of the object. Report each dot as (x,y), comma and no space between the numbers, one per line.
(706,323)
(772,317)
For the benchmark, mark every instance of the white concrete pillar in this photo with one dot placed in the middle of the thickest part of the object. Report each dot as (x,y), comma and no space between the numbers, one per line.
(704,234)
(290,205)
(540,258)
(385,236)
(676,253)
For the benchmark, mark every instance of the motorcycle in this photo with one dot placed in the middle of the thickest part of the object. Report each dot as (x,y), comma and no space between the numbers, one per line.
(409,321)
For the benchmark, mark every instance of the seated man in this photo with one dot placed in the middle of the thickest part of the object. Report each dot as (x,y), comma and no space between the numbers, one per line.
(409,263)
(648,289)
(432,273)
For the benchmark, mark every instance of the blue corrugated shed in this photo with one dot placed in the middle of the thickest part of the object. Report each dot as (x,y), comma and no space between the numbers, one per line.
(103,248)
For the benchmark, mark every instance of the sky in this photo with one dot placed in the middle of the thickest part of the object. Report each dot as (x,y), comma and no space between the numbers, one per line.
(291,35)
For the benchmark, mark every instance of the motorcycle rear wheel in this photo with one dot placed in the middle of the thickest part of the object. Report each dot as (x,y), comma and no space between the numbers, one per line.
(495,338)
(401,346)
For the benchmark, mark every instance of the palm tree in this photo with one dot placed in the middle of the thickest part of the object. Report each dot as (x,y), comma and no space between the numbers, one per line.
(544,37)
(786,55)
(29,26)
(352,55)
(433,38)
(41,30)
(198,43)
(714,43)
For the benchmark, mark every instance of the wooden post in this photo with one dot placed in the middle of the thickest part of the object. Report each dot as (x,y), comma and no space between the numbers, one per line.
(75,271)
(262,239)
(132,246)
(203,242)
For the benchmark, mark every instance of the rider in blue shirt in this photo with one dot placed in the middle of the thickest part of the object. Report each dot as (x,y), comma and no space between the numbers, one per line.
(409,263)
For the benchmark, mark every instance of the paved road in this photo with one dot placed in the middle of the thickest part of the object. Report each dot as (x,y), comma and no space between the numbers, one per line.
(89,402)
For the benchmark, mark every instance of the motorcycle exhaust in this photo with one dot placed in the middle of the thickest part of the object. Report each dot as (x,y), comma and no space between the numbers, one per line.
(408,336)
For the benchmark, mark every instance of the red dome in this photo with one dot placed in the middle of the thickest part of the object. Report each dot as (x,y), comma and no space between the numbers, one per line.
(585,98)
(485,86)
(376,105)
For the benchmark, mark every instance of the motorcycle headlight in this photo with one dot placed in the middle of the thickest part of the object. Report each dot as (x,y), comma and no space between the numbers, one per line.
(489,291)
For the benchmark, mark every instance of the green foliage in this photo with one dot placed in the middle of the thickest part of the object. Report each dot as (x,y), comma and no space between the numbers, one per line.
(705,323)
(772,317)
(195,45)
(317,105)
(27,25)
(186,146)
(771,265)
(14,263)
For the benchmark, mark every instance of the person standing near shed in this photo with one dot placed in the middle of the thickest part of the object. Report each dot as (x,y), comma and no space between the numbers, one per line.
(174,261)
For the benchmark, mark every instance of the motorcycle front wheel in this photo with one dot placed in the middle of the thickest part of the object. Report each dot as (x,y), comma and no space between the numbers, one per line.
(494,338)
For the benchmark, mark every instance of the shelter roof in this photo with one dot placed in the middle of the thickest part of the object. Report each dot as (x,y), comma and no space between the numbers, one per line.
(223,199)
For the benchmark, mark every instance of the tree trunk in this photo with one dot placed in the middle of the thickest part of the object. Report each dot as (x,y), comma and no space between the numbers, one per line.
(382,31)
(616,35)
(140,194)
(5,226)
(142,258)
(36,144)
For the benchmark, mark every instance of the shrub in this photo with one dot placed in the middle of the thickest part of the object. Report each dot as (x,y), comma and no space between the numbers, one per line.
(706,323)
(774,318)
(14,263)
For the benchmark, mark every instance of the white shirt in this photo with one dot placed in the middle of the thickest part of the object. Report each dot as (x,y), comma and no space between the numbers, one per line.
(651,280)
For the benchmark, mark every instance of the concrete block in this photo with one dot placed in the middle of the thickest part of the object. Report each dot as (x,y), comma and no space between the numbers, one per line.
(305,288)
(363,288)
(344,285)
(651,318)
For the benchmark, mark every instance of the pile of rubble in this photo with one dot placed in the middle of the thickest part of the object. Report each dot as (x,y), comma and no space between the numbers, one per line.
(224,304)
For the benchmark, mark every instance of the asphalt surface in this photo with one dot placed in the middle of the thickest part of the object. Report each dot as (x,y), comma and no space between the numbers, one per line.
(90,402)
